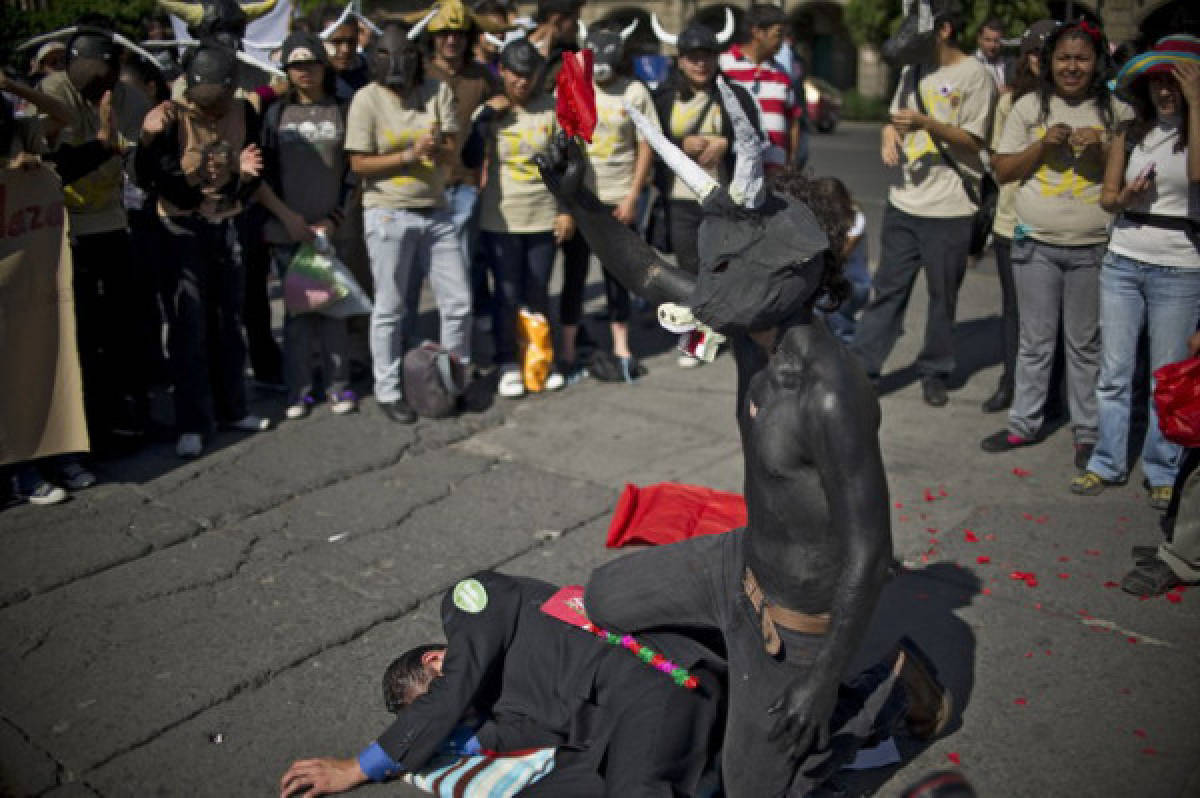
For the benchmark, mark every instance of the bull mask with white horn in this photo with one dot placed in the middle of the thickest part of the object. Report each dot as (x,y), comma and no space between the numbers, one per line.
(608,46)
(915,41)
(762,254)
(93,64)
(221,18)
(695,36)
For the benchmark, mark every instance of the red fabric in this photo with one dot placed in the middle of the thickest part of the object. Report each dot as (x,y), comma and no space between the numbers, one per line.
(1177,400)
(670,512)
(576,107)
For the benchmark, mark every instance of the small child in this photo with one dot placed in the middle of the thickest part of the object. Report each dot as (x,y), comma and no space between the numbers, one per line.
(843,321)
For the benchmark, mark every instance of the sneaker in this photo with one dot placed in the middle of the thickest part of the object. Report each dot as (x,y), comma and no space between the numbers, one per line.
(46,494)
(250,423)
(398,411)
(511,385)
(296,411)
(575,373)
(933,391)
(1003,441)
(1160,497)
(1083,455)
(555,381)
(346,402)
(76,476)
(1088,484)
(687,361)
(190,445)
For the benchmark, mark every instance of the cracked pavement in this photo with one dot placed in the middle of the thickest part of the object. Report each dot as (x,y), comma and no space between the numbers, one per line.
(189,628)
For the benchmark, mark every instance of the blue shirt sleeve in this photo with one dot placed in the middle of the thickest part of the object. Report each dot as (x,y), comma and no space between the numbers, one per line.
(378,766)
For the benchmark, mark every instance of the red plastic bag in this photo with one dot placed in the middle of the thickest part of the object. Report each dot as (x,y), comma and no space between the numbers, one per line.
(576,106)
(670,512)
(1177,400)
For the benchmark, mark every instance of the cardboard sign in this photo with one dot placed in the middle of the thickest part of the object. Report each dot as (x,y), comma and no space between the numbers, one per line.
(41,406)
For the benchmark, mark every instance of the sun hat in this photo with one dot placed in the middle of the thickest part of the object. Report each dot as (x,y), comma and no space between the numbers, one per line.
(1168,52)
(1033,38)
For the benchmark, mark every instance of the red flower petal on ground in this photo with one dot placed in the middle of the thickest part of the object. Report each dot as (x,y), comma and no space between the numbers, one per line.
(1037,605)
(1064,558)
(1064,576)
(983,559)
(1174,598)
(1122,518)
(1031,581)
(1028,654)
(1020,702)
(1150,751)
(1132,639)
(904,518)
(1139,733)
(929,497)
(1125,691)
(899,505)
(1021,472)
(1041,519)
(987,591)
(942,492)
(1017,576)
(954,757)
(1110,584)
(970,536)
(1092,552)
(1027,516)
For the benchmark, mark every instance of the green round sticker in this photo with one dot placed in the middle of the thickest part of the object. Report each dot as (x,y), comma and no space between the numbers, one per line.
(470,596)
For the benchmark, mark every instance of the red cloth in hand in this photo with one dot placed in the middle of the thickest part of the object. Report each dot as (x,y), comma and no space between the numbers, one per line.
(670,512)
(1177,400)
(576,106)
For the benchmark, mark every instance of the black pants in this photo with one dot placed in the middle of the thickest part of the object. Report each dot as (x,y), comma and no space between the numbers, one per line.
(1008,305)
(907,243)
(576,257)
(265,358)
(697,585)
(203,285)
(685,230)
(521,265)
(659,736)
(107,310)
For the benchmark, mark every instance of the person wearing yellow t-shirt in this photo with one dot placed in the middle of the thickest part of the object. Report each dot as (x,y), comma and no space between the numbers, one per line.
(520,221)
(401,130)
(619,166)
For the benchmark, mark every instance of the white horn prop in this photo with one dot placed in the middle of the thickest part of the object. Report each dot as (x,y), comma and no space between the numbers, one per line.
(337,23)
(495,40)
(625,34)
(371,26)
(687,170)
(660,33)
(45,37)
(257,45)
(582,35)
(419,28)
(730,28)
(270,69)
(133,48)
(163,44)
(749,185)
(924,17)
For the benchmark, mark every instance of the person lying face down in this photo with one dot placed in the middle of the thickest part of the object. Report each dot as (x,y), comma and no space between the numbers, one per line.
(512,677)
(791,595)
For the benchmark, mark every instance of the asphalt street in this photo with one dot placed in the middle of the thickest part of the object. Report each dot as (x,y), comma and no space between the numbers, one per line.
(190,627)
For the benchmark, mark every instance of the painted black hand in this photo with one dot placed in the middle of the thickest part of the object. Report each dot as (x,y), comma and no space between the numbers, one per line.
(563,170)
(803,712)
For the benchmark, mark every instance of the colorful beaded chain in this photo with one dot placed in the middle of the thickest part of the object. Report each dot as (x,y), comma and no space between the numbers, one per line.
(647,655)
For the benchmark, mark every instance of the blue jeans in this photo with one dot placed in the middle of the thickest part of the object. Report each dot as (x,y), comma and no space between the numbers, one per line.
(404,246)
(1167,301)
(521,265)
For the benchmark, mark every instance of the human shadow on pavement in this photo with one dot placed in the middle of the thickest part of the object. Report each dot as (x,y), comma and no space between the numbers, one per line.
(921,604)
(978,345)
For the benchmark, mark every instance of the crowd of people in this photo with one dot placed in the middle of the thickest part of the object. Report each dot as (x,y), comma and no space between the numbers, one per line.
(410,150)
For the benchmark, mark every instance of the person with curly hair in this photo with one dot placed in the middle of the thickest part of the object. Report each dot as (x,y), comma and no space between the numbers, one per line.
(1054,145)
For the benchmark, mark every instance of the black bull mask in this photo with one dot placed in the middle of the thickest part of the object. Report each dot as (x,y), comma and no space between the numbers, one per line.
(608,48)
(762,254)
(395,59)
(915,39)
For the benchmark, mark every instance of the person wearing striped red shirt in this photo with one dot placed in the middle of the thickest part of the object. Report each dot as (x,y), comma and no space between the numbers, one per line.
(754,67)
